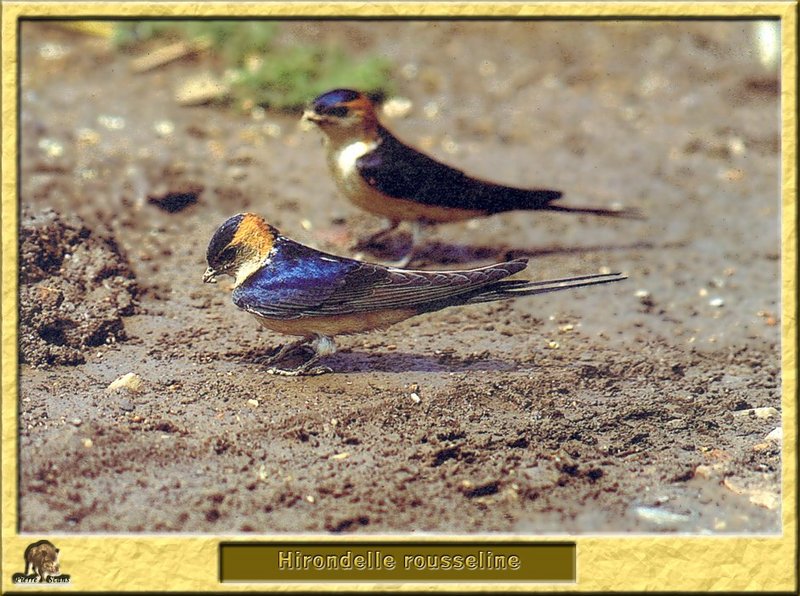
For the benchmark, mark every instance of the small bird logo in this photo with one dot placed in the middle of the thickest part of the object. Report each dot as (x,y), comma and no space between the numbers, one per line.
(296,290)
(382,175)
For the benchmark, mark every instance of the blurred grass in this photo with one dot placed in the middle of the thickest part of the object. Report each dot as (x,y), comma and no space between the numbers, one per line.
(261,69)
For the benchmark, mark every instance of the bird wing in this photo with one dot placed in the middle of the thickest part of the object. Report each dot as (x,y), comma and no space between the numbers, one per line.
(402,172)
(301,282)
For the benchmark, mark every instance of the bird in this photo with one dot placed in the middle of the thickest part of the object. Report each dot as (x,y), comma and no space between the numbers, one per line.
(297,290)
(382,175)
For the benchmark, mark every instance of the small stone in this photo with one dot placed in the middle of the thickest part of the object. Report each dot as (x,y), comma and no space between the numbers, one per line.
(111,122)
(76,422)
(252,403)
(88,443)
(775,435)
(306,224)
(201,89)
(762,413)
(660,517)
(409,71)
(51,147)
(703,471)
(126,405)
(716,302)
(553,345)
(53,51)
(487,68)
(343,455)
(87,136)
(310,498)
(766,499)
(164,128)
(733,486)
(415,398)
(431,110)
(130,381)
(237,173)
(736,146)
(397,107)
(273,130)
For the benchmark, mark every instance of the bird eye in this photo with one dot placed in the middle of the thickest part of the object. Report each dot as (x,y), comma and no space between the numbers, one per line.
(229,254)
(337,111)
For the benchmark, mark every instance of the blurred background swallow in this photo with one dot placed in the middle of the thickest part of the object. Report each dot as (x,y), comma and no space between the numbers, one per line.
(382,175)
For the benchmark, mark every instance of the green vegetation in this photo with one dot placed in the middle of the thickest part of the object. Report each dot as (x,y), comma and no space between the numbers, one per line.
(261,69)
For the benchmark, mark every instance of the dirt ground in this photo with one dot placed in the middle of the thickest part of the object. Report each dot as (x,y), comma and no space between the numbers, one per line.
(641,406)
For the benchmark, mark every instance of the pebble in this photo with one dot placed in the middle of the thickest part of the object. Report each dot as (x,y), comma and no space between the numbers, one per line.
(237,172)
(111,122)
(415,398)
(343,455)
(397,107)
(762,413)
(409,71)
(716,302)
(487,68)
(775,435)
(200,89)
(87,136)
(51,147)
(130,381)
(126,405)
(53,51)
(272,130)
(660,517)
(164,128)
(553,345)
(76,421)
(431,110)
(310,498)
(450,146)
(88,443)
(252,402)
(766,499)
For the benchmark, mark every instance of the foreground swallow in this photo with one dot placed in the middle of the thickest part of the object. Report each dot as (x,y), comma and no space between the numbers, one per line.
(382,175)
(296,290)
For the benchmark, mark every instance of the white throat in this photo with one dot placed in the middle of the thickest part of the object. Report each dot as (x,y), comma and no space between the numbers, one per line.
(347,156)
(247,269)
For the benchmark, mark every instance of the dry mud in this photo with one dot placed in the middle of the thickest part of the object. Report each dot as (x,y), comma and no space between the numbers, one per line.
(643,406)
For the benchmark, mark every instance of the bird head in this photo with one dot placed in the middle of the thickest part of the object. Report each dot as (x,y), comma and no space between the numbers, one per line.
(239,247)
(343,113)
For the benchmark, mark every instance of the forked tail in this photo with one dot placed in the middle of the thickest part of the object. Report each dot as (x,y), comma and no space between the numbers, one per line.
(504,290)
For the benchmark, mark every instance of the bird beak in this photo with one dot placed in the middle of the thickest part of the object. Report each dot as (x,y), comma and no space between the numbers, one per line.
(210,276)
(312,116)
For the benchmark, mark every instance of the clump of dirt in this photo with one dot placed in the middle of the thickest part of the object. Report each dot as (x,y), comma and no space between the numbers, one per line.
(75,287)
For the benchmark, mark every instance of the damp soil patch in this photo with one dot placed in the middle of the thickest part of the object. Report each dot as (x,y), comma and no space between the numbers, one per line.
(76,285)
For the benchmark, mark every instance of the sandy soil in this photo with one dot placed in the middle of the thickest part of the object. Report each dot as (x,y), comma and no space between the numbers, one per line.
(643,406)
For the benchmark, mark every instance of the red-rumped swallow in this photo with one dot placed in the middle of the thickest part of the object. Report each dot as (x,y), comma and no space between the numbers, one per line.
(296,290)
(382,175)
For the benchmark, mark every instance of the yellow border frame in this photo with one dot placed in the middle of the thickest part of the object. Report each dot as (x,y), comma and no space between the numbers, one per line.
(189,563)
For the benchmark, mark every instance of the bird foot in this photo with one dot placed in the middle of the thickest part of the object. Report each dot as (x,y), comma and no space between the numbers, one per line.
(283,352)
(299,371)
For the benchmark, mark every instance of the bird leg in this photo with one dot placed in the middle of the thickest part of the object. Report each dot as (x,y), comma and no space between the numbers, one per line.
(285,351)
(390,226)
(419,230)
(321,346)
